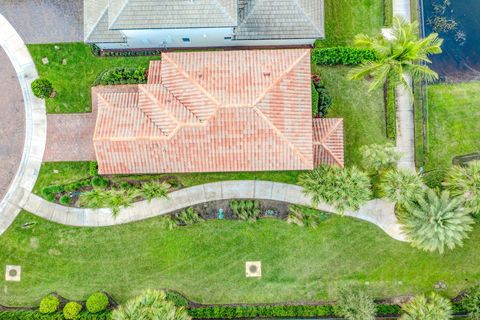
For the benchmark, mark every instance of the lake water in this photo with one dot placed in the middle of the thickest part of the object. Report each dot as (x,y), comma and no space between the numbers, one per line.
(460,60)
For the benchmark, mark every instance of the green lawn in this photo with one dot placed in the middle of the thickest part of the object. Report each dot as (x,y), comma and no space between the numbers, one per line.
(453,122)
(206,261)
(363,112)
(73,80)
(346,18)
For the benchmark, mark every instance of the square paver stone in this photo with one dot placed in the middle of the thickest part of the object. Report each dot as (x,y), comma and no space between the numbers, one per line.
(13,273)
(253,269)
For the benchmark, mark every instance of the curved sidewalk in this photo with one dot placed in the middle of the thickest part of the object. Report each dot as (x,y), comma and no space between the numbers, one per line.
(35,126)
(378,212)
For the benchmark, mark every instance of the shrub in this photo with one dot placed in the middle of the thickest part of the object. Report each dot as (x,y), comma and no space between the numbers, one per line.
(97,302)
(33,315)
(355,304)
(471,302)
(176,298)
(65,199)
(99,182)
(344,188)
(391,108)
(42,88)
(151,190)
(49,304)
(187,217)
(377,157)
(465,182)
(52,190)
(121,75)
(432,307)
(324,101)
(304,216)
(71,310)
(401,185)
(342,56)
(95,198)
(93,168)
(434,222)
(315,98)
(248,210)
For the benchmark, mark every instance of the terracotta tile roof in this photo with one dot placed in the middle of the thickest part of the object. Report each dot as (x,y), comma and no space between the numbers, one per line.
(210,111)
(328,141)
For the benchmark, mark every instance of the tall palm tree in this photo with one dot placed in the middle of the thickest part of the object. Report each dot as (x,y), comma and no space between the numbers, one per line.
(431,307)
(435,221)
(152,305)
(400,54)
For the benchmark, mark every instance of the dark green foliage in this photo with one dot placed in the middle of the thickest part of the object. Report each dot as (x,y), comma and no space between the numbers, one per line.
(245,209)
(99,182)
(151,52)
(52,190)
(388,309)
(49,304)
(65,200)
(34,315)
(71,310)
(324,100)
(305,217)
(42,88)
(187,217)
(74,186)
(93,168)
(122,75)
(342,56)
(97,302)
(314,100)
(95,49)
(390,109)
(388,13)
(176,298)
(471,302)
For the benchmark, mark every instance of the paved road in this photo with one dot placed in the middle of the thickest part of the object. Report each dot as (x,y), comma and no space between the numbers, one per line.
(45,21)
(12,123)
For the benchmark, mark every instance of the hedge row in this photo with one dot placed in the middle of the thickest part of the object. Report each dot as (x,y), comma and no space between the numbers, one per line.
(342,56)
(35,315)
(121,75)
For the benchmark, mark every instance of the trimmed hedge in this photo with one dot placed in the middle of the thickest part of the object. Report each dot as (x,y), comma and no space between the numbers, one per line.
(342,56)
(231,312)
(49,304)
(72,310)
(35,315)
(315,98)
(391,111)
(121,75)
(97,302)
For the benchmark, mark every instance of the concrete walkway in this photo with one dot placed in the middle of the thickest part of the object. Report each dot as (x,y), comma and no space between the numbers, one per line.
(35,125)
(378,212)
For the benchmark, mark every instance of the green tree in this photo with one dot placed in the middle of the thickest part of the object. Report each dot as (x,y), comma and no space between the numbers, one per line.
(343,188)
(354,304)
(471,302)
(465,182)
(402,53)
(401,185)
(433,222)
(431,307)
(152,305)
(377,157)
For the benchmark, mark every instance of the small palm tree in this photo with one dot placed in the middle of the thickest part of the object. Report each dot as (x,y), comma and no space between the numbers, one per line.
(355,304)
(152,305)
(434,222)
(116,199)
(376,157)
(400,54)
(432,307)
(465,182)
(96,198)
(152,190)
(401,186)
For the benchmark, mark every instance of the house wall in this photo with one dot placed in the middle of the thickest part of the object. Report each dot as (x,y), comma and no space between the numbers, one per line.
(198,38)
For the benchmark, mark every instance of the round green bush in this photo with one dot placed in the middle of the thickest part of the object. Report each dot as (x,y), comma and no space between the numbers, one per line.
(49,304)
(42,88)
(65,200)
(99,182)
(97,302)
(71,310)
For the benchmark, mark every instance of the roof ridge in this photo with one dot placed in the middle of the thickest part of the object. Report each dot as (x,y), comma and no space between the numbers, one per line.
(87,35)
(153,99)
(251,9)
(332,129)
(226,12)
(110,25)
(331,154)
(322,143)
(307,16)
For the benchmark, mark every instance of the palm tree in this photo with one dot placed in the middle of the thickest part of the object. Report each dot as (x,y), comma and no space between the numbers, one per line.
(432,307)
(401,186)
(152,305)
(433,222)
(465,182)
(399,54)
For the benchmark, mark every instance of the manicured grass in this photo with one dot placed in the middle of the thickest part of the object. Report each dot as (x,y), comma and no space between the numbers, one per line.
(363,112)
(206,261)
(346,18)
(73,80)
(453,123)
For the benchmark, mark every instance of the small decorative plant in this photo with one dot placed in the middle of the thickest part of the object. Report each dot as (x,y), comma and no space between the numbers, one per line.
(97,302)
(71,310)
(42,88)
(248,210)
(49,304)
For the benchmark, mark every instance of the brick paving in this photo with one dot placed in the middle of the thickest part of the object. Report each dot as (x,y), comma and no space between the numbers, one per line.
(45,21)
(12,123)
(70,137)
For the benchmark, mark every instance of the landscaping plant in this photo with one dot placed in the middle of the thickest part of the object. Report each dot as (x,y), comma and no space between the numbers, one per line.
(187,217)
(431,307)
(151,190)
(71,310)
(49,304)
(471,302)
(379,157)
(304,217)
(434,222)
(97,302)
(354,304)
(152,305)
(42,88)
(465,182)
(401,185)
(342,56)
(343,188)
(121,75)
(248,210)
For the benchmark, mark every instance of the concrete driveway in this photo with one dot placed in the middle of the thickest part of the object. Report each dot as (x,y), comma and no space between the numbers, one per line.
(45,21)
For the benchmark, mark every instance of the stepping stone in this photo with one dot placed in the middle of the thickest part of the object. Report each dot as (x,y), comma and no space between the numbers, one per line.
(64,61)
(45,60)
(253,269)
(13,273)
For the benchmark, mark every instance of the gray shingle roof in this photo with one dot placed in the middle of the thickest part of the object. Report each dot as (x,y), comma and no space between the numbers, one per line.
(252,19)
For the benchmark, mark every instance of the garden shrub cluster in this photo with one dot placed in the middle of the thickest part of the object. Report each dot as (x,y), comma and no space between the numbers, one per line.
(97,302)
(34,315)
(42,88)
(321,98)
(124,53)
(305,217)
(342,56)
(121,75)
(72,310)
(49,304)
(391,110)
(248,210)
